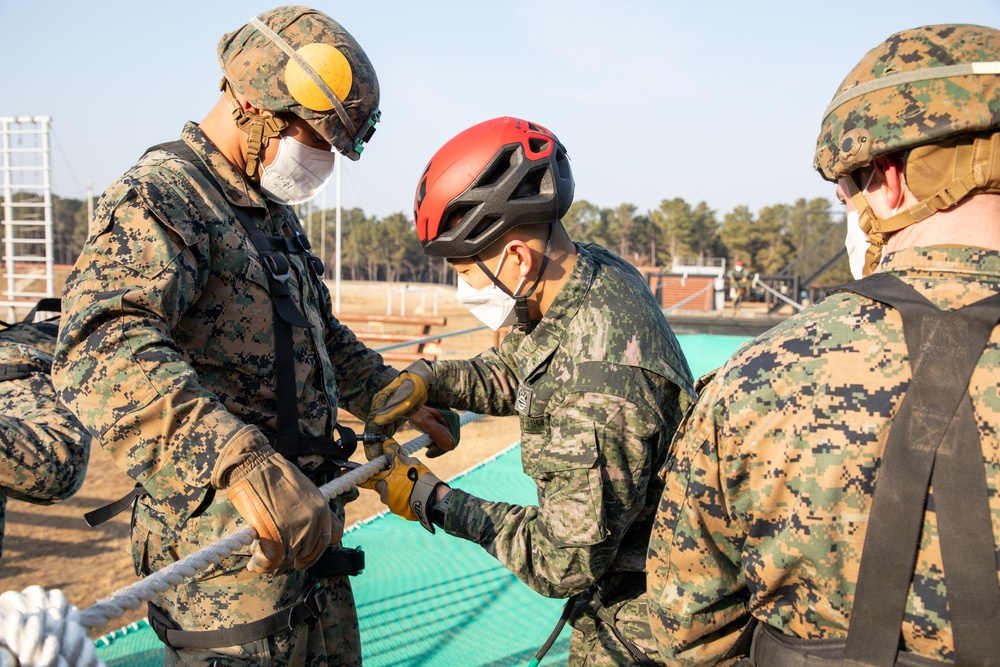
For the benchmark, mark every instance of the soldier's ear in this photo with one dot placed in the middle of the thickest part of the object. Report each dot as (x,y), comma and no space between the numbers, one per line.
(890,179)
(521,254)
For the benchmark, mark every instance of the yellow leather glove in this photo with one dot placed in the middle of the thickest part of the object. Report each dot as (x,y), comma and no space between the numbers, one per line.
(397,402)
(407,487)
(292,518)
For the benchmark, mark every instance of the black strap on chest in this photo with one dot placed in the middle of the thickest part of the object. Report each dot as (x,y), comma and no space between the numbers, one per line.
(289,441)
(933,441)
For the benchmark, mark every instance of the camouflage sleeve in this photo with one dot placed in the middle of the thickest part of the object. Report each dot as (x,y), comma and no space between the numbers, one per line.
(592,476)
(116,365)
(698,599)
(43,448)
(484,384)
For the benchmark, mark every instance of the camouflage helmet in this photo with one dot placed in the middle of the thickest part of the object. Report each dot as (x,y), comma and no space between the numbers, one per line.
(920,86)
(934,92)
(296,60)
(498,175)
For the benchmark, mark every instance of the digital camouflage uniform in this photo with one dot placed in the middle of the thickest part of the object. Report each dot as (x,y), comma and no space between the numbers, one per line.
(599,386)
(43,448)
(168,352)
(770,484)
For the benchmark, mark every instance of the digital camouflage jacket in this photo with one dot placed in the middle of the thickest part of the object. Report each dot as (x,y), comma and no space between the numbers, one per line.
(167,347)
(599,386)
(167,351)
(770,484)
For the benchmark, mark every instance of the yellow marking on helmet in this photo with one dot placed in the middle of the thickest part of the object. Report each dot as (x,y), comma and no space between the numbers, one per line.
(330,64)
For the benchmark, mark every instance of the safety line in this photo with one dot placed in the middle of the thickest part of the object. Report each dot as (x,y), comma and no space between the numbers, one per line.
(118,603)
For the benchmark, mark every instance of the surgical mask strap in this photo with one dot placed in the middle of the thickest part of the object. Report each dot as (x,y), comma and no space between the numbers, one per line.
(524,322)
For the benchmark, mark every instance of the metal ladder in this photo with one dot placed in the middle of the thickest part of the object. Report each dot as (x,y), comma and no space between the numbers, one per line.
(25,179)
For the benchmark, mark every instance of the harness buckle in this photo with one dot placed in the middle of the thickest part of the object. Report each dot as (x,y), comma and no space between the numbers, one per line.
(277,266)
(302,240)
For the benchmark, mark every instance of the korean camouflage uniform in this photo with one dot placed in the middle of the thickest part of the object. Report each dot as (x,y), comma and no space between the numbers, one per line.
(600,386)
(168,351)
(43,448)
(769,489)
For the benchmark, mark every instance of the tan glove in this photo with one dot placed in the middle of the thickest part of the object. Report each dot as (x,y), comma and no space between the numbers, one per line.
(397,402)
(408,487)
(292,518)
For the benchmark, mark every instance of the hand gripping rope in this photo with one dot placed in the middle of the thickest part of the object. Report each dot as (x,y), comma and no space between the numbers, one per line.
(41,628)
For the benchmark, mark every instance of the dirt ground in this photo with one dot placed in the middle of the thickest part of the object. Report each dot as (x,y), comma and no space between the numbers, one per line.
(51,546)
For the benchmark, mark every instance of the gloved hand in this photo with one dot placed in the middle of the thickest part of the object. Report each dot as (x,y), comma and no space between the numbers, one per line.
(398,401)
(443,427)
(407,487)
(292,518)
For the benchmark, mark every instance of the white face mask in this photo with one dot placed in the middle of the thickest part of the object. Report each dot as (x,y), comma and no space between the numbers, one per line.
(298,172)
(856,243)
(491,305)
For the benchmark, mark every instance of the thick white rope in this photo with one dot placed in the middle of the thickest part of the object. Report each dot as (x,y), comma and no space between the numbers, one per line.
(101,612)
(40,629)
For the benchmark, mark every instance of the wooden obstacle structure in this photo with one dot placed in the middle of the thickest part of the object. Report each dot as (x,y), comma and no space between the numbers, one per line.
(374,334)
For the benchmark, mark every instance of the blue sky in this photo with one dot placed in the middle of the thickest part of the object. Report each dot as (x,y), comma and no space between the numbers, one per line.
(708,101)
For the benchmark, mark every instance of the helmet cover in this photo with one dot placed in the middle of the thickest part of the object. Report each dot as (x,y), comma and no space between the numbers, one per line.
(296,60)
(919,86)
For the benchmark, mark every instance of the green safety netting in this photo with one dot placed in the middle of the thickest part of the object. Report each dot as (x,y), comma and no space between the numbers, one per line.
(435,600)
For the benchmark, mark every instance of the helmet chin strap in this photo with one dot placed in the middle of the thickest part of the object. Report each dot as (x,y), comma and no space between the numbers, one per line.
(259,129)
(524,321)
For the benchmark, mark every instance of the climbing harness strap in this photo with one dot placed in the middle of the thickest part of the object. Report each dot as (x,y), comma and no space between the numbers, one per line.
(772,648)
(307,607)
(605,615)
(289,441)
(111,510)
(933,442)
(597,597)
(560,624)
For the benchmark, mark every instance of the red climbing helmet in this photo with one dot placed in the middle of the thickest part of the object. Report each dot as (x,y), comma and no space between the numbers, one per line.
(496,175)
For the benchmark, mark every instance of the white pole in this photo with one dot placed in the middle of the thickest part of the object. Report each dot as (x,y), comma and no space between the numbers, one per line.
(336,264)
(322,227)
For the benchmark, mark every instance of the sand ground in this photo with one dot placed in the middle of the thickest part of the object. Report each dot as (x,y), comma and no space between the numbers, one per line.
(51,546)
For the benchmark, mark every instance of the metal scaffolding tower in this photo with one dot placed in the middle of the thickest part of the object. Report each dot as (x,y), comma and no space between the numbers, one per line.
(25,179)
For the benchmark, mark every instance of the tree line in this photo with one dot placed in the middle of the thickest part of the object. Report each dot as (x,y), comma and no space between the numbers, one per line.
(798,238)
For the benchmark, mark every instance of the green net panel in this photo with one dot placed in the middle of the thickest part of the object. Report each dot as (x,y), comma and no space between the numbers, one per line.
(435,600)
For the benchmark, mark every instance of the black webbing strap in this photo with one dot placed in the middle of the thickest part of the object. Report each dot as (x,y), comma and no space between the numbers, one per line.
(560,624)
(289,441)
(18,371)
(933,440)
(286,316)
(339,562)
(600,592)
(46,305)
(111,510)
(741,647)
(308,606)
